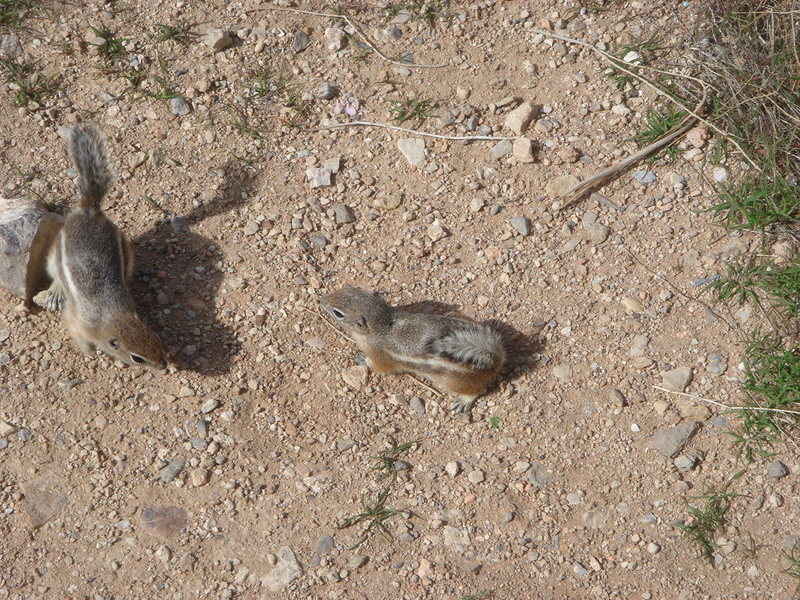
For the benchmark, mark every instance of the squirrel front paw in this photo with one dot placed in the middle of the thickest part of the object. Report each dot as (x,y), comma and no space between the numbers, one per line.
(462,404)
(360,359)
(55,298)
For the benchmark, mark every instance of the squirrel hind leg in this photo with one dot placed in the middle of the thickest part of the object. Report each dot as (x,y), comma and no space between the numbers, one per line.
(55,297)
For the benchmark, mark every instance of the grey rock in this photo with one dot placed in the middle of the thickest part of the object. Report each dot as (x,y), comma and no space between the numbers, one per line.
(522,224)
(501,149)
(300,41)
(645,178)
(356,561)
(333,164)
(701,281)
(343,214)
(538,475)
(251,227)
(178,224)
(217,39)
(209,405)
(413,149)
(580,570)
(319,177)
(343,445)
(327,91)
(595,518)
(721,422)
(45,498)
(335,38)
(285,572)
(26,232)
(172,470)
(318,241)
(518,119)
(417,405)
(717,365)
(777,470)
(179,106)
(672,440)
(677,380)
(324,545)
(10,46)
(199,443)
(456,539)
(685,462)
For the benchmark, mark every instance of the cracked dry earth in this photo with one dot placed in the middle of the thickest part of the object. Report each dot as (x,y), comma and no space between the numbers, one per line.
(226,476)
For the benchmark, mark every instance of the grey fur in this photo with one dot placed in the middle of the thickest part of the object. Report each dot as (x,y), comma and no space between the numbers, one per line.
(87,150)
(475,345)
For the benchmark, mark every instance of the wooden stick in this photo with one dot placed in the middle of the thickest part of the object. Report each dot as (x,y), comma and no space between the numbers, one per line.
(617,63)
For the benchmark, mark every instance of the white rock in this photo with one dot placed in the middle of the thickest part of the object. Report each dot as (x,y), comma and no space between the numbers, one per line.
(413,150)
(319,177)
(559,185)
(335,38)
(285,571)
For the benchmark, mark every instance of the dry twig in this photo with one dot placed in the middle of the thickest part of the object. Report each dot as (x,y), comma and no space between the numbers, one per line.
(350,22)
(461,138)
(725,406)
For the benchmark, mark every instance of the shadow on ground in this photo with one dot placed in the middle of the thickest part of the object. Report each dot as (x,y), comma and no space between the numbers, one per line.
(193,334)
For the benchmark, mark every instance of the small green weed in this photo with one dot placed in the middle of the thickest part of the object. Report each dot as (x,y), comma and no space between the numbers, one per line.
(709,520)
(14,12)
(375,516)
(412,108)
(793,570)
(180,33)
(27,81)
(429,11)
(494,422)
(113,50)
(481,595)
(760,201)
(658,125)
(771,287)
(386,460)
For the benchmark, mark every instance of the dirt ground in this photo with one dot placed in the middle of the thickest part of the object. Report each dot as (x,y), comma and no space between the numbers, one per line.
(549,489)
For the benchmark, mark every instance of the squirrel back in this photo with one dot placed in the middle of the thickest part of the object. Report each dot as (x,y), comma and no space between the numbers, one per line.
(87,150)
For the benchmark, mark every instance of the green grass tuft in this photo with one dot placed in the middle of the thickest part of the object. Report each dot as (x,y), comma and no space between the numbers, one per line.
(412,108)
(710,519)
(375,516)
(27,81)
(658,125)
(386,460)
(14,12)
(180,33)
(760,201)
(429,11)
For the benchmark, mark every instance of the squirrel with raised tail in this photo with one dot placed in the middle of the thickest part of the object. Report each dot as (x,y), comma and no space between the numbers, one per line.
(455,353)
(91,263)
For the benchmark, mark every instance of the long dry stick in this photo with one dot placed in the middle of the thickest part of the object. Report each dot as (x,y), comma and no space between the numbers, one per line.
(725,406)
(577,191)
(617,63)
(350,22)
(465,138)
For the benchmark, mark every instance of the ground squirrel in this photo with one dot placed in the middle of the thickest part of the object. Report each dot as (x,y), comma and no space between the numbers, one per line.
(455,353)
(91,262)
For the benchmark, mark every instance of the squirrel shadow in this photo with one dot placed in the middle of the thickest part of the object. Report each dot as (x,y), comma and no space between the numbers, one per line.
(192,333)
(521,349)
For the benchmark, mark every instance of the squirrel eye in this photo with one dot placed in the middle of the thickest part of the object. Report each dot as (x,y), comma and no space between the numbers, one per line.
(137,359)
(337,313)
(114,343)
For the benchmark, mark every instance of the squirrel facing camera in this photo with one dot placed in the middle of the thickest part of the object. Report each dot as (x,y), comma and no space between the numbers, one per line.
(91,263)
(455,353)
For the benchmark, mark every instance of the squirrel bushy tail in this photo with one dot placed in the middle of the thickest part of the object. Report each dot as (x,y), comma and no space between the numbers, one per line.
(87,150)
(479,346)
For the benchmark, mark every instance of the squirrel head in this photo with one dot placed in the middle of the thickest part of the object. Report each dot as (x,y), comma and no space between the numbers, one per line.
(357,311)
(134,343)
